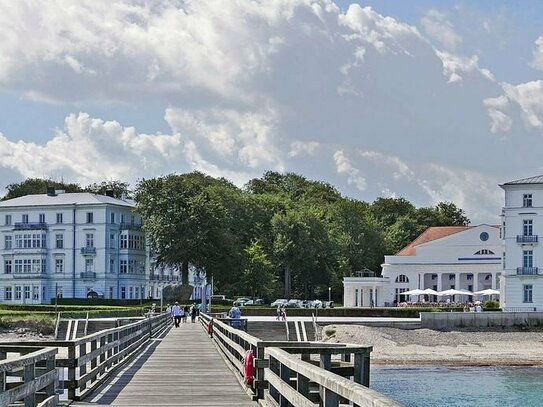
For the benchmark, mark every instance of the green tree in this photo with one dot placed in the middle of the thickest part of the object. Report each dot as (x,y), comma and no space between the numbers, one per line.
(118,188)
(258,276)
(32,186)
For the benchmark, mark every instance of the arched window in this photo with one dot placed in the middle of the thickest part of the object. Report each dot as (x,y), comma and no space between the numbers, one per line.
(402,278)
(484,251)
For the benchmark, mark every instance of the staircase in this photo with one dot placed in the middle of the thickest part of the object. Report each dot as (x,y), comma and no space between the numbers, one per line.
(299,331)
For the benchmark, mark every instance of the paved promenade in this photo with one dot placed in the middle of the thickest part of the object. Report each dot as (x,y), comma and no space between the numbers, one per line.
(183,368)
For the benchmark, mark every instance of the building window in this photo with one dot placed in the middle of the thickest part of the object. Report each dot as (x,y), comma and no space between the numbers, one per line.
(122,217)
(89,240)
(8,242)
(111,292)
(59,265)
(7,293)
(132,219)
(59,241)
(18,292)
(123,293)
(7,221)
(527,200)
(469,277)
(59,218)
(89,265)
(527,258)
(41,218)
(8,266)
(24,218)
(527,227)
(35,293)
(451,277)
(356,297)
(130,292)
(528,292)
(124,267)
(434,276)
(90,217)
(27,292)
(112,217)
(402,278)
(503,260)
(124,242)
(137,292)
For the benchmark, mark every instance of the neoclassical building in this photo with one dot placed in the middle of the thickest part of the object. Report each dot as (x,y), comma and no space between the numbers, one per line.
(522,219)
(72,244)
(441,258)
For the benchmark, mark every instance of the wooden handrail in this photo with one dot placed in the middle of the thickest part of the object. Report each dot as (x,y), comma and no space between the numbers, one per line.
(35,379)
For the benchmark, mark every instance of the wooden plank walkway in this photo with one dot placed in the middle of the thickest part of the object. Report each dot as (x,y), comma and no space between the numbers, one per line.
(183,368)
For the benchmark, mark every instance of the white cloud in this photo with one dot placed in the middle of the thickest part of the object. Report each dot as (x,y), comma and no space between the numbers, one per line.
(345,167)
(455,65)
(436,26)
(537,61)
(402,170)
(89,150)
(529,97)
(499,121)
(300,148)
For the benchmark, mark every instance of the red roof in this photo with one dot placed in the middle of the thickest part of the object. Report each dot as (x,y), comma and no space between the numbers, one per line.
(432,233)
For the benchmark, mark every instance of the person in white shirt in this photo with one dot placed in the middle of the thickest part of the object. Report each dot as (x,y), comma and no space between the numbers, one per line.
(178,313)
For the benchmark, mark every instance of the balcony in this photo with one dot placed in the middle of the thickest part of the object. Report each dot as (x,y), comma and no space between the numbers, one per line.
(89,251)
(129,226)
(527,239)
(28,275)
(30,226)
(88,274)
(527,271)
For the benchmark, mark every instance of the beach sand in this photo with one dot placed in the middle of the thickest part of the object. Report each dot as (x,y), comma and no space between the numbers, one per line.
(393,346)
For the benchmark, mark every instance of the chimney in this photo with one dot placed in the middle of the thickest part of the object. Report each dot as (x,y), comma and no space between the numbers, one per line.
(51,191)
(109,192)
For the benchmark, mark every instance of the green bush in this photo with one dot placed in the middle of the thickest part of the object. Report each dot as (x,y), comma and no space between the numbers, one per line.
(491,305)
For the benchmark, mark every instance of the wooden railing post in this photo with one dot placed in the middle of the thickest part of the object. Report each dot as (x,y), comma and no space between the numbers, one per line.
(29,371)
(94,360)
(83,367)
(49,366)
(71,372)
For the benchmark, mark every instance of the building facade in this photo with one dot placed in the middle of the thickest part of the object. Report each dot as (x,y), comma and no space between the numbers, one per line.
(441,258)
(74,245)
(522,219)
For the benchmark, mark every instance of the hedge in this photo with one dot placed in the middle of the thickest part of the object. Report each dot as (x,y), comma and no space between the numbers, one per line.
(102,301)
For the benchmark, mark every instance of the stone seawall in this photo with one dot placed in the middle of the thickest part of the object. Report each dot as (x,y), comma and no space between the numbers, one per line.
(489,319)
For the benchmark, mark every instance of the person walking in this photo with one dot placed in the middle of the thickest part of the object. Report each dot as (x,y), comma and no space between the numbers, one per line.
(177,314)
(193,312)
(284,313)
(186,312)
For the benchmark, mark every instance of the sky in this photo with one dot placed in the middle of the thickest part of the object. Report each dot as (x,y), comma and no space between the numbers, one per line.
(427,100)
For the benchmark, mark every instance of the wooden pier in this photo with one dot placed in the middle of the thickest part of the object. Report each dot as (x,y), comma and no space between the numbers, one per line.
(182,367)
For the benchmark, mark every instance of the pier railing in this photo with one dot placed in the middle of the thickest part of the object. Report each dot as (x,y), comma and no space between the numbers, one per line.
(86,362)
(29,376)
(301,374)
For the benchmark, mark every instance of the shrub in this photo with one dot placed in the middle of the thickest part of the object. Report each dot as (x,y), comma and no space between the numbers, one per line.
(491,304)
(329,332)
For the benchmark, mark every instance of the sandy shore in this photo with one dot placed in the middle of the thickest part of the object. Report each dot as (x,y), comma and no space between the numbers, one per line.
(392,346)
(22,334)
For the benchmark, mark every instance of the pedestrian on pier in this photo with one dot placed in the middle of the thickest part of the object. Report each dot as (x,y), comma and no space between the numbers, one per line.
(186,313)
(193,312)
(177,314)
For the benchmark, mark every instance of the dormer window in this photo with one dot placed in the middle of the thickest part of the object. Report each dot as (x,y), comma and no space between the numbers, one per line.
(527,200)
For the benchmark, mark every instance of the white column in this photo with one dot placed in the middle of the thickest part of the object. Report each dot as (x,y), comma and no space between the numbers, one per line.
(493,279)
(475,282)
(457,281)
(374,297)
(439,281)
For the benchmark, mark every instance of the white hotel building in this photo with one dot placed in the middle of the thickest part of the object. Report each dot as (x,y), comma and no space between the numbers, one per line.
(73,244)
(441,258)
(522,220)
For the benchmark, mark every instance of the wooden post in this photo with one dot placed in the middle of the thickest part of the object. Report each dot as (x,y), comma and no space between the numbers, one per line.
(50,365)
(83,367)
(94,360)
(284,373)
(331,399)
(102,344)
(362,369)
(260,373)
(71,372)
(30,400)
(274,367)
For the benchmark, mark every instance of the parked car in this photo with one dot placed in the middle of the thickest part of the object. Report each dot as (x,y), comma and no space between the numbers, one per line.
(256,301)
(241,301)
(294,303)
(278,302)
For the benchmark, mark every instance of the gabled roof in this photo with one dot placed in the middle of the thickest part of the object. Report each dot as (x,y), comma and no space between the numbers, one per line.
(78,198)
(432,233)
(538,179)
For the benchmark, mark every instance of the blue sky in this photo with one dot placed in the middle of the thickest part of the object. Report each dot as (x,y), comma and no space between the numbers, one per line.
(427,100)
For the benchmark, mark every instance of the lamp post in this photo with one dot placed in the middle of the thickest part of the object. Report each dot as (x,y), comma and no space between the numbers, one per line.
(329,294)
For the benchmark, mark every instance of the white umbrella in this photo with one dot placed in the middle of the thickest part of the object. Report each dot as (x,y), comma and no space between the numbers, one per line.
(416,291)
(487,292)
(429,291)
(452,291)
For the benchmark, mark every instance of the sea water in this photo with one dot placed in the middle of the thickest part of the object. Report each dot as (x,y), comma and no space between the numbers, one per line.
(460,386)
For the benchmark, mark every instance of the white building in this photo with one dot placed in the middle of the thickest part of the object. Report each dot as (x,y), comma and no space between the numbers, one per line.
(459,257)
(72,244)
(522,219)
